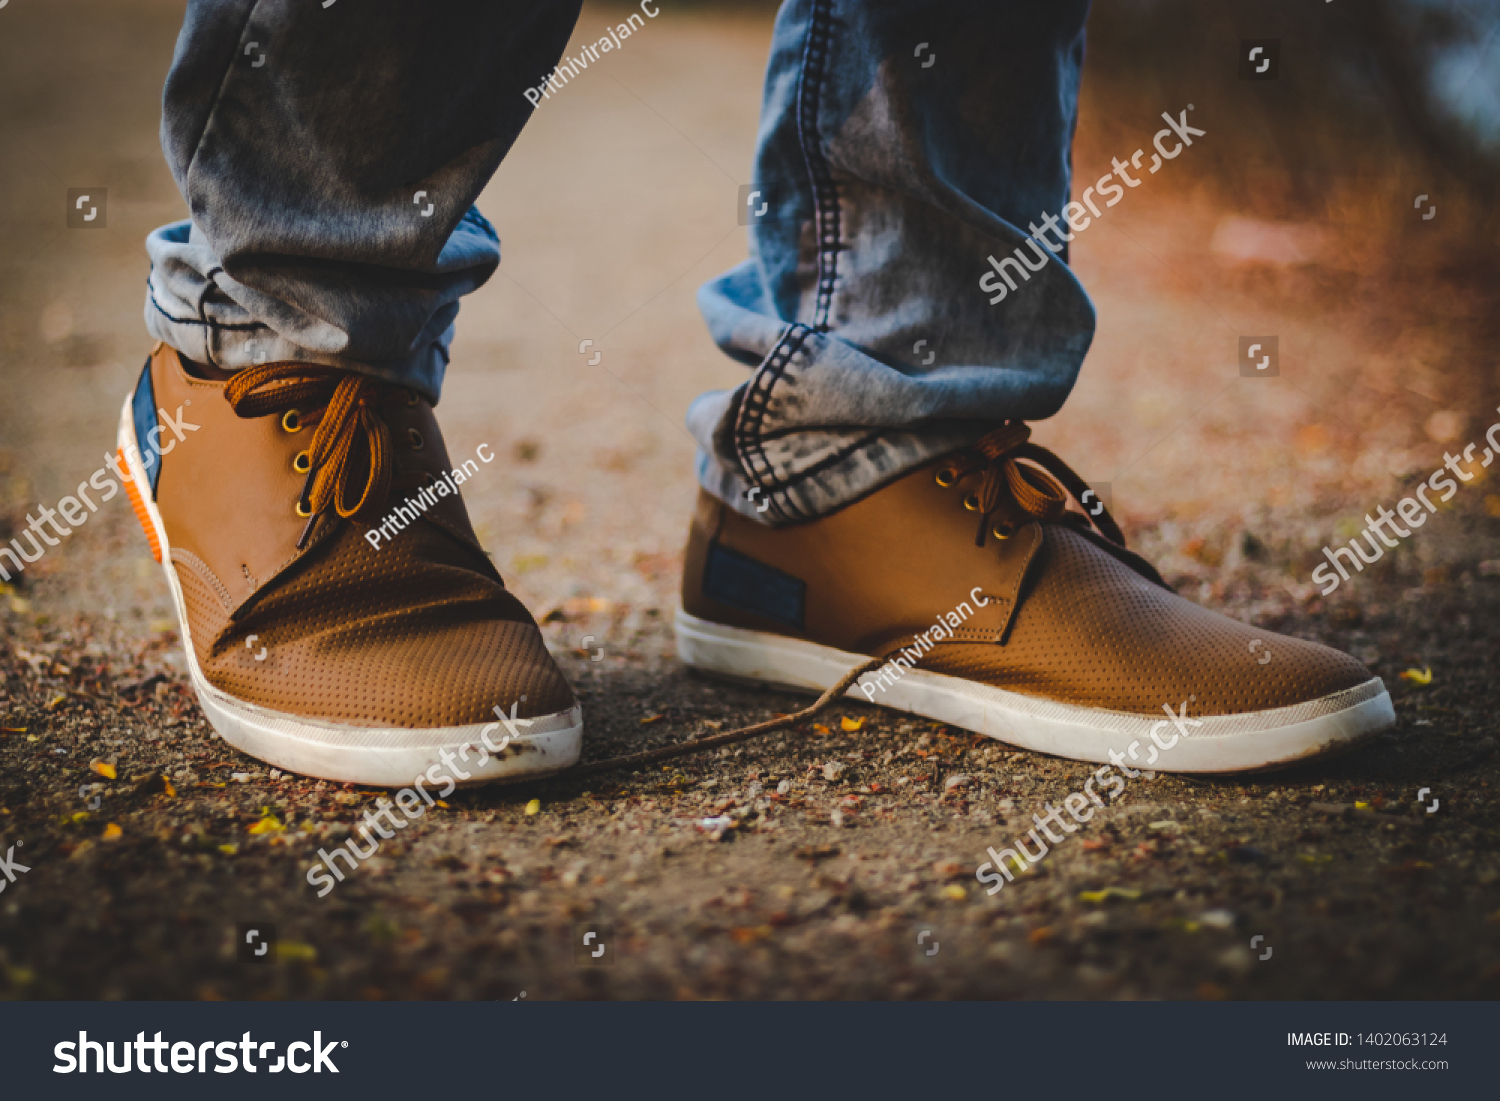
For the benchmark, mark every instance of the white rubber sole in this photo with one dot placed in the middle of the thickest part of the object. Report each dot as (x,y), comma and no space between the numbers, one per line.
(1230,743)
(377,756)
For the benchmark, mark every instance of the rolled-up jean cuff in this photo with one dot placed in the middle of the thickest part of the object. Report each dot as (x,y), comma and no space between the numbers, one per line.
(196,307)
(854,462)
(856,475)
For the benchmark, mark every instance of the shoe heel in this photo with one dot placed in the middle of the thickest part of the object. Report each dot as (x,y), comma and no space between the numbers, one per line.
(141,514)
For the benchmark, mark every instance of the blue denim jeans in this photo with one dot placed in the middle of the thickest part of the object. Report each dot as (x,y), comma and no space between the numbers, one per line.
(902,144)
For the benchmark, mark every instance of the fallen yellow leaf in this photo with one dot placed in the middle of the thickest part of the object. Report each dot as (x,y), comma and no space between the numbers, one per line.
(1423,676)
(168,788)
(229,850)
(103,768)
(534,807)
(112,832)
(54,701)
(650,719)
(851,724)
(268,824)
(955,892)
(442,804)
(1129,894)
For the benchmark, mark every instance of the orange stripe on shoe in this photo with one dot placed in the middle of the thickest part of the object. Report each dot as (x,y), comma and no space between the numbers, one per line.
(140,512)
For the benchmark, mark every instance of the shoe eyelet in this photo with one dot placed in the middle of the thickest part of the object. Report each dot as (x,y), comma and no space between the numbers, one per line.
(303,511)
(411,397)
(1003,531)
(946,477)
(415,437)
(303,462)
(971,502)
(291,421)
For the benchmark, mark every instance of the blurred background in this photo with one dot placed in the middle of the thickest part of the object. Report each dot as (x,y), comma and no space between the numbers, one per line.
(1346,207)
(1297,215)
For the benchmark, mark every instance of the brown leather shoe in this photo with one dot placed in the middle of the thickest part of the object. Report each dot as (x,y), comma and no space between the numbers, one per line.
(1003,612)
(339,616)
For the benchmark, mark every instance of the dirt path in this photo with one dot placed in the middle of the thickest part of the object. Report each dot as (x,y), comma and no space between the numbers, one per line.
(854,836)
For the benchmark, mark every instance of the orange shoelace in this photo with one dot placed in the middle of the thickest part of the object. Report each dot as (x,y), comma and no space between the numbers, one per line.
(340,403)
(1036,488)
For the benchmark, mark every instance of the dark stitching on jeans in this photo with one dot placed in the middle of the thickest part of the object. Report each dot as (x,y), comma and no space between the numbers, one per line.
(151,294)
(780,496)
(187,170)
(208,285)
(832,460)
(757,399)
(826,221)
(799,429)
(826,214)
(222,326)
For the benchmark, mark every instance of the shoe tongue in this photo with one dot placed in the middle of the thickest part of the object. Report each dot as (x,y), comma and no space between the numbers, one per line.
(204,370)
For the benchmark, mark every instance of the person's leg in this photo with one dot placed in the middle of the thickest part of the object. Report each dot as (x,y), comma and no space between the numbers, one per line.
(331,156)
(901,144)
(905,307)
(339,615)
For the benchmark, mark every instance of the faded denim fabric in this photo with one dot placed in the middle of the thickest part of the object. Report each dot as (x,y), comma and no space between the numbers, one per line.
(300,137)
(890,171)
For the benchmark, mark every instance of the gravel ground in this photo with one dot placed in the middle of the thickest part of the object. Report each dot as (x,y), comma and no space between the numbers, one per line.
(806,864)
(834,859)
